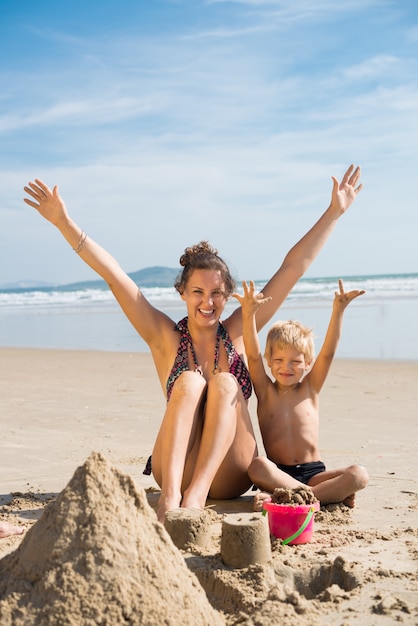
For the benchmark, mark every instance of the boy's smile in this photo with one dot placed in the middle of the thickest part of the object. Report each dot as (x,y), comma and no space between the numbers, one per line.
(287,365)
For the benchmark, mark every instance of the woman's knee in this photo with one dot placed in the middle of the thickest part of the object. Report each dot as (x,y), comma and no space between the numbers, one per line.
(224,384)
(188,383)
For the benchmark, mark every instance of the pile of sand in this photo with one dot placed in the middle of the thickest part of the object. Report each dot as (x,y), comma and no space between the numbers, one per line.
(99,556)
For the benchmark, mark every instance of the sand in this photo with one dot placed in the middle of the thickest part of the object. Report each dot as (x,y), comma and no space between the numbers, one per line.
(77,428)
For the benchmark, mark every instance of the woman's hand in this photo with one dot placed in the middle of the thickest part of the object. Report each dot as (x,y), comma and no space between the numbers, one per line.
(344,193)
(46,201)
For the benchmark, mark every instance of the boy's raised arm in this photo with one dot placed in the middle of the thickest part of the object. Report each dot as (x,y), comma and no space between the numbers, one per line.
(322,364)
(250,303)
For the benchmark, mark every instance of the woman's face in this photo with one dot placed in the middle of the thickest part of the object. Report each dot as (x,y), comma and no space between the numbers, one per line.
(205,296)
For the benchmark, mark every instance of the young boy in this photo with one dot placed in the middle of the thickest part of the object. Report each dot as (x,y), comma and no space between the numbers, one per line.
(288,408)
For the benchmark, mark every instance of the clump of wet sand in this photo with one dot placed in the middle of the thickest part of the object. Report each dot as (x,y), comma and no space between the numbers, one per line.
(296,496)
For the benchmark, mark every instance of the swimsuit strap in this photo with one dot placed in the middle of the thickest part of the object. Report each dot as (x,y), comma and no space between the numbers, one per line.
(236,365)
(181,362)
(197,367)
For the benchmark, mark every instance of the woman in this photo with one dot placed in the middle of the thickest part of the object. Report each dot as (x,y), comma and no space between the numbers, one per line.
(206,441)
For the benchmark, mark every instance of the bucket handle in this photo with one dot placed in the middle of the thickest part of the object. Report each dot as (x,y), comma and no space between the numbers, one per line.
(301,529)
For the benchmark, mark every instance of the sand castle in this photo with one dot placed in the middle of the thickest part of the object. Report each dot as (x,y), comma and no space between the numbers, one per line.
(98,555)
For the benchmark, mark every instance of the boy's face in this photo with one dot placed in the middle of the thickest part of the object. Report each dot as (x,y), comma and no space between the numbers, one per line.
(287,365)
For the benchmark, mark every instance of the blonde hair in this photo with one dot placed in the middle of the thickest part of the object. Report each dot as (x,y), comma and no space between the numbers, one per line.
(203,256)
(290,333)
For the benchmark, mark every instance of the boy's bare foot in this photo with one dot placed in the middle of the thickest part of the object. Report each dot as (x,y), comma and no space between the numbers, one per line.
(7,530)
(350,501)
(259,498)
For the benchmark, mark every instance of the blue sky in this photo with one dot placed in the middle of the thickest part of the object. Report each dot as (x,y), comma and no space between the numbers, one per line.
(166,122)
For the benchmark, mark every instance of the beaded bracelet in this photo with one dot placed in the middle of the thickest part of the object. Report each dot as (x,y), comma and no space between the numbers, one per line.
(81,242)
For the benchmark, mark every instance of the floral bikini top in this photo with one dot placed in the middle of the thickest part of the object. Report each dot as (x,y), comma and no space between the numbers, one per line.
(236,365)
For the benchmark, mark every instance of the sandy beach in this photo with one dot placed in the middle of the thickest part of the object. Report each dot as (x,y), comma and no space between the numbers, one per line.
(58,407)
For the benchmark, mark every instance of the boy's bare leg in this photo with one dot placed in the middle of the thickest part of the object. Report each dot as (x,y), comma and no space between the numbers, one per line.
(340,485)
(331,486)
(267,476)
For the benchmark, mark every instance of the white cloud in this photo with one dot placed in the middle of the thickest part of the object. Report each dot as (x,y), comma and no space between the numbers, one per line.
(384,66)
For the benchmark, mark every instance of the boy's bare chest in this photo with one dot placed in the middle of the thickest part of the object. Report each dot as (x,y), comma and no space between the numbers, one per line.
(292,406)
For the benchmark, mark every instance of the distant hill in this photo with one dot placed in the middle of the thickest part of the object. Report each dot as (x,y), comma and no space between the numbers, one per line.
(156,276)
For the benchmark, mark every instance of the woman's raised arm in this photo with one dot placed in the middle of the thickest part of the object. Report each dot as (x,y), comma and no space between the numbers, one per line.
(144,317)
(300,257)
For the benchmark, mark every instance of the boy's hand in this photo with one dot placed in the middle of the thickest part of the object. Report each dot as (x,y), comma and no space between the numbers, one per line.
(343,299)
(250,301)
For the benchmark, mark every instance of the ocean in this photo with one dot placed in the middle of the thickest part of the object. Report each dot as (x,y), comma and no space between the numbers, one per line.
(381,324)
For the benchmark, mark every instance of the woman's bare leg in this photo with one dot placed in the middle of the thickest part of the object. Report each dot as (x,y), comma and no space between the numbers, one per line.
(7,530)
(175,441)
(227,445)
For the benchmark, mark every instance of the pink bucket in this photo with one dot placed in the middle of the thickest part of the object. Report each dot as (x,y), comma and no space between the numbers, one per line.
(291,523)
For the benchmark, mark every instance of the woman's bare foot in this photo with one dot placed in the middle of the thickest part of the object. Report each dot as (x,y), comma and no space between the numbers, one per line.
(7,530)
(166,504)
(259,499)
(191,503)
